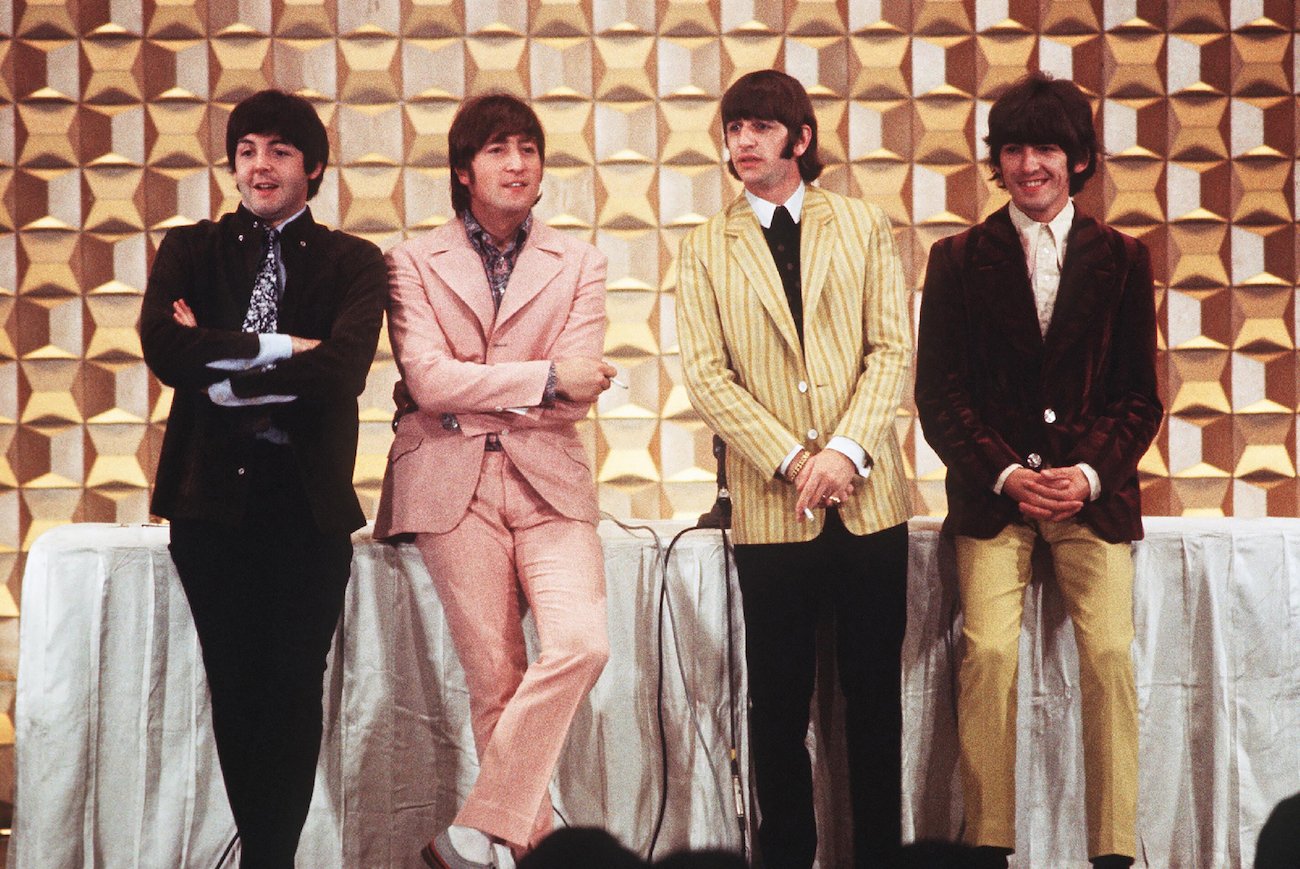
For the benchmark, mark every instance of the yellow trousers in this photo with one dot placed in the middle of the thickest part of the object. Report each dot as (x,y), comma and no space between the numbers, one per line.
(1096,582)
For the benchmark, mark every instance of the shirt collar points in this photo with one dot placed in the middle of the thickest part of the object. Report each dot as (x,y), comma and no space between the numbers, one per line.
(765,210)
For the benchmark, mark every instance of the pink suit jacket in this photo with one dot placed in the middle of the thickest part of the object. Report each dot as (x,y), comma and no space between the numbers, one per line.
(459,356)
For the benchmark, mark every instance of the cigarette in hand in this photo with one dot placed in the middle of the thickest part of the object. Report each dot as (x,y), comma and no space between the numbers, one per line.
(617,382)
(807,514)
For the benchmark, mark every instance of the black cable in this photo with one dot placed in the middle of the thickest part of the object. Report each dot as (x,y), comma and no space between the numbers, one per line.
(737,791)
(664,606)
(659,693)
(221,861)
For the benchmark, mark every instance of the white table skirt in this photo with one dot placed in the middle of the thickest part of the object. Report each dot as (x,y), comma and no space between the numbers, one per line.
(116,767)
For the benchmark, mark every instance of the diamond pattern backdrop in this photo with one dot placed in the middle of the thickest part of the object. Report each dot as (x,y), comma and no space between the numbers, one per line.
(111,122)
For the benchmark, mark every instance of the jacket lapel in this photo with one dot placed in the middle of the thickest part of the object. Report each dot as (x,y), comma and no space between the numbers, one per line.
(1086,277)
(747,246)
(246,235)
(1000,280)
(817,247)
(459,266)
(300,265)
(538,264)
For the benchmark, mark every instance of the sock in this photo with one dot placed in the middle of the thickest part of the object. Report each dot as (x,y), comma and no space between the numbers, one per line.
(470,843)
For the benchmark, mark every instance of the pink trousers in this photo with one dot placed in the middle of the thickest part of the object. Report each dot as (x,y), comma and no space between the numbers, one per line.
(512,543)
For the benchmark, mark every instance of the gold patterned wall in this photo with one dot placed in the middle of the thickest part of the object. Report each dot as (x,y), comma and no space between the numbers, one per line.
(111,122)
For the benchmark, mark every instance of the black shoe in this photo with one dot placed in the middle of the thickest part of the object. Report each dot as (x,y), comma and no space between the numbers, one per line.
(1112,861)
(989,857)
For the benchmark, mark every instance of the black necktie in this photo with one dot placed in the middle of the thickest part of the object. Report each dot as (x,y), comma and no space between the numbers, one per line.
(782,222)
(783,239)
(265,302)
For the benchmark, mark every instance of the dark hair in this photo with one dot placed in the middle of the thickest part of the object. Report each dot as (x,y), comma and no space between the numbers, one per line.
(768,95)
(1041,110)
(1278,845)
(290,117)
(481,121)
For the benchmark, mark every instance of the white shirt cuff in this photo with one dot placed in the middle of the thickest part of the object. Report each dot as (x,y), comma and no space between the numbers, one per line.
(1094,482)
(1002,477)
(221,393)
(789,457)
(272,347)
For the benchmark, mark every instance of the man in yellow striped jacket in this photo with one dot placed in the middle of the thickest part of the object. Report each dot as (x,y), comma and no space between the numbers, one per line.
(795,343)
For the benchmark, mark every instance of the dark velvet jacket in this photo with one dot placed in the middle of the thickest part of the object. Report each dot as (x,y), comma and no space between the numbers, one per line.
(991,390)
(335,290)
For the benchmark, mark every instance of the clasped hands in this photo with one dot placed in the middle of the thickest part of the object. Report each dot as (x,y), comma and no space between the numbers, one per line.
(1052,494)
(825,480)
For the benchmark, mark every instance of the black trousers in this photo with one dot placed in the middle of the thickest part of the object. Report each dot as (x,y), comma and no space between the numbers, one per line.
(266,597)
(785,587)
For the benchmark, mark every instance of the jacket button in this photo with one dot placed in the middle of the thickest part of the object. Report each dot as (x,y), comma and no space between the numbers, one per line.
(1034,460)
(1049,416)
(803,386)
(240,472)
(812,434)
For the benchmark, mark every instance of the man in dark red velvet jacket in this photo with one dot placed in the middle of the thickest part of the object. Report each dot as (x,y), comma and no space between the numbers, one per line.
(1036,385)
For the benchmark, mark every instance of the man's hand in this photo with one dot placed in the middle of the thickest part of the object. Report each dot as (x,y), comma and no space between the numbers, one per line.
(1054,495)
(182,314)
(302,345)
(825,480)
(582,379)
(402,399)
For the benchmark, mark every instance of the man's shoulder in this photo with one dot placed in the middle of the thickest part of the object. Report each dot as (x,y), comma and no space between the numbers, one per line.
(1085,224)
(566,244)
(716,226)
(995,229)
(338,241)
(199,230)
(815,196)
(847,217)
(449,234)
(1096,243)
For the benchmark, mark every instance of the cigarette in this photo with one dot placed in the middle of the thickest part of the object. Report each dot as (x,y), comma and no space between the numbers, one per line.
(617,382)
(807,514)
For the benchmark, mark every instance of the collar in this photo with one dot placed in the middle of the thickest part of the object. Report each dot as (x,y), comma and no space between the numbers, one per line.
(1058,226)
(291,219)
(765,210)
(292,224)
(482,241)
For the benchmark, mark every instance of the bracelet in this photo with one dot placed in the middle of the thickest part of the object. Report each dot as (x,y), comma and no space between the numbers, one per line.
(792,472)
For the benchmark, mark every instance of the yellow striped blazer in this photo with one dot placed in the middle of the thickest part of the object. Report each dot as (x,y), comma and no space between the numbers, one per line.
(749,381)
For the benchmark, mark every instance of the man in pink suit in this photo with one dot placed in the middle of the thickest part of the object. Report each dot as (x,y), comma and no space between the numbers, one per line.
(498,323)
